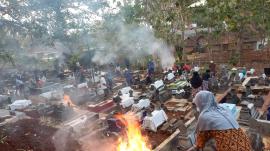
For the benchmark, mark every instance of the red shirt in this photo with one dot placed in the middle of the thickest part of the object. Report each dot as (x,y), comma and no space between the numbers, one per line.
(186,67)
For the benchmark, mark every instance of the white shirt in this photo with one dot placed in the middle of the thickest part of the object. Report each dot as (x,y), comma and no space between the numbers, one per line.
(103,84)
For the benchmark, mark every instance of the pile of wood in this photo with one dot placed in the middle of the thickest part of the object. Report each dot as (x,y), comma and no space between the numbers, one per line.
(181,106)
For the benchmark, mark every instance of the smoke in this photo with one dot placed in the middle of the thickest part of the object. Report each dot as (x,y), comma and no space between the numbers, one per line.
(120,40)
(57,49)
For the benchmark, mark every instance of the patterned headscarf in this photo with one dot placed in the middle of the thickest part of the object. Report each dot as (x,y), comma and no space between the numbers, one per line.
(212,116)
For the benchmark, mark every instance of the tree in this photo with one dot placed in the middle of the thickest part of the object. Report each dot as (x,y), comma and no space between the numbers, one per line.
(45,22)
(168,18)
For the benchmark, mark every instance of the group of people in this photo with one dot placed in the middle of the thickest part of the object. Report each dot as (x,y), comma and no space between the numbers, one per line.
(198,82)
(215,122)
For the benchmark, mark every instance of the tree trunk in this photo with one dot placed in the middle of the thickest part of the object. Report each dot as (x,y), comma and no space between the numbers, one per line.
(239,46)
(182,40)
(210,53)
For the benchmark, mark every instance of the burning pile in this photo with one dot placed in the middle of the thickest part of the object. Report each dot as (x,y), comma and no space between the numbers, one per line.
(133,140)
(67,101)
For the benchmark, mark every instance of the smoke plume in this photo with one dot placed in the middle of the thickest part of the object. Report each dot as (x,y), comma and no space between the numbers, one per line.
(132,42)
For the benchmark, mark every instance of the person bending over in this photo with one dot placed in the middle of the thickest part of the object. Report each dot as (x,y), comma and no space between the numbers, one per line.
(218,124)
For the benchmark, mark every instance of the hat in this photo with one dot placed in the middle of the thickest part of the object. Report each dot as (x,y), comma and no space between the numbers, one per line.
(196,69)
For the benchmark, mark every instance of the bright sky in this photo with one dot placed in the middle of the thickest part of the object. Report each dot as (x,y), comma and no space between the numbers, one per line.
(114,5)
(199,3)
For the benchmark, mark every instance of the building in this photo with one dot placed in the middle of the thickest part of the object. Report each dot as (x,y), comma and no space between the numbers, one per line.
(221,49)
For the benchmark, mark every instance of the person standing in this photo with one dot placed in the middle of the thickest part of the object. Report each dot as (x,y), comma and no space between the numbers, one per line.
(103,85)
(244,71)
(128,77)
(196,83)
(151,68)
(109,80)
(217,123)
(212,68)
(206,77)
(118,70)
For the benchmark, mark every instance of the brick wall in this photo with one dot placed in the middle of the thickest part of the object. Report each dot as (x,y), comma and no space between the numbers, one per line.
(248,58)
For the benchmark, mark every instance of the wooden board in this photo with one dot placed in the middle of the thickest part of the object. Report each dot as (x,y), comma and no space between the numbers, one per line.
(219,97)
(248,79)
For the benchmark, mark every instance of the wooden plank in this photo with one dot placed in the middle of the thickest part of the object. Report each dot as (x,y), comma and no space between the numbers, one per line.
(219,97)
(189,121)
(165,127)
(172,121)
(248,79)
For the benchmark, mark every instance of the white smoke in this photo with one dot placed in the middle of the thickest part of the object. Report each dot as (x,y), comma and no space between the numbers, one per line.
(133,42)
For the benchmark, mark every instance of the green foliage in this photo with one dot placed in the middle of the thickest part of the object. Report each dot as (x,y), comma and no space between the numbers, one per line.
(234,59)
(72,60)
(73,23)
(6,57)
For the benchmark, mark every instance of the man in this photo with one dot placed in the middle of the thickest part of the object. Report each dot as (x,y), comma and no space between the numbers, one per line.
(151,67)
(128,77)
(103,85)
(118,70)
(109,80)
(19,86)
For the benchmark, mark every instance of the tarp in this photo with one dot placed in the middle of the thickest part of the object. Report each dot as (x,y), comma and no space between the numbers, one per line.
(52,95)
(68,86)
(230,107)
(170,76)
(126,101)
(143,103)
(20,104)
(158,84)
(153,122)
(125,90)
(82,85)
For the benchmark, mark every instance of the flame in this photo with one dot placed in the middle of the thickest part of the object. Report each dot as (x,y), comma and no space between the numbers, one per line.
(68,101)
(134,140)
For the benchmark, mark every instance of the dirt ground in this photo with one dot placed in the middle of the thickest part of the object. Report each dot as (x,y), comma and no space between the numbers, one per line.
(26,135)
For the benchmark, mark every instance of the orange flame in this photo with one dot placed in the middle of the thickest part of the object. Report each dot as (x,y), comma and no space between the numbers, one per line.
(68,101)
(134,140)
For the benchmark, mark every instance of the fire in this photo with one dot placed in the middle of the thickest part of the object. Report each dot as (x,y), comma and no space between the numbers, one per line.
(68,101)
(134,140)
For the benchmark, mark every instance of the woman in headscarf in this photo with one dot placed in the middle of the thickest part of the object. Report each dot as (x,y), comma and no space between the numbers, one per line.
(215,122)
(196,83)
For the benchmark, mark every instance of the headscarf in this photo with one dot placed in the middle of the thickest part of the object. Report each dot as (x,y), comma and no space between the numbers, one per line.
(241,75)
(212,116)
(244,71)
(252,70)
(196,80)
(264,76)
